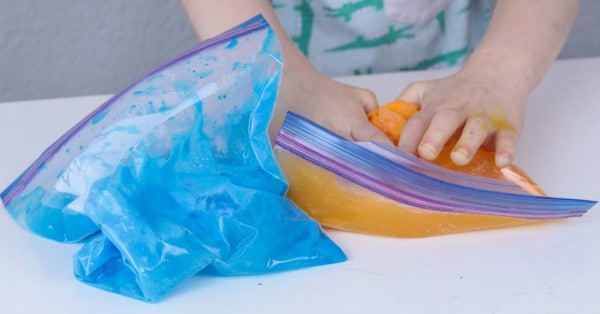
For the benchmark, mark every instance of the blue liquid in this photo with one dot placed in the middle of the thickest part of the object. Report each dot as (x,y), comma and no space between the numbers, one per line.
(159,195)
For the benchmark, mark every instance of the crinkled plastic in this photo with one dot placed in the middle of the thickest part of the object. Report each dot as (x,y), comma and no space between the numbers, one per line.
(175,175)
(378,189)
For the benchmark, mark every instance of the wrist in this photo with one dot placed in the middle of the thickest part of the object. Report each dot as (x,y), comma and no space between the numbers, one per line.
(503,70)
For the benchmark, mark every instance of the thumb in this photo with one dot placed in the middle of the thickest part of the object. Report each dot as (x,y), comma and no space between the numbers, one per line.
(413,93)
(369,100)
(364,131)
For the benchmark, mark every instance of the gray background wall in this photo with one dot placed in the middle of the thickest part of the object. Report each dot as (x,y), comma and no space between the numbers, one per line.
(64,48)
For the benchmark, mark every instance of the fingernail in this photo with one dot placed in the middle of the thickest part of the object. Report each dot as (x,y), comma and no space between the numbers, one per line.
(502,160)
(460,156)
(427,151)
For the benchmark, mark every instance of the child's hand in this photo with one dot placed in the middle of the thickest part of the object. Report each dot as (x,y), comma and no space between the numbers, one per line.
(488,108)
(339,107)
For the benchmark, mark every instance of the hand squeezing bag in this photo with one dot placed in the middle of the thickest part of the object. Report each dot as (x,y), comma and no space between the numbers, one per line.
(175,176)
(378,189)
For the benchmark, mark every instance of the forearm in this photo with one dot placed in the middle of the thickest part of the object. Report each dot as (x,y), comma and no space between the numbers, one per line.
(524,38)
(212,17)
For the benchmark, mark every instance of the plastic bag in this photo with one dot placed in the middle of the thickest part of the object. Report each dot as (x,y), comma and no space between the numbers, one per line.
(391,118)
(378,189)
(175,175)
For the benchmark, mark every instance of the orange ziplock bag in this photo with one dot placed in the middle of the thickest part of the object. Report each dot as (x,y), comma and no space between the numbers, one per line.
(377,189)
(392,117)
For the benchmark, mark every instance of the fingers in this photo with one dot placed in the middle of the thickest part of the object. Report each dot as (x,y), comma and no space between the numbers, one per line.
(475,132)
(485,112)
(413,131)
(506,144)
(427,132)
(443,124)
(417,125)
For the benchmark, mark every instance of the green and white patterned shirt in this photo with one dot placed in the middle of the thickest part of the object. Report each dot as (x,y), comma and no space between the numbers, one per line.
(345,37)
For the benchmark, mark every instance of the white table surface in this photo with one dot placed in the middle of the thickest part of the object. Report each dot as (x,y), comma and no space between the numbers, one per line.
(549,268)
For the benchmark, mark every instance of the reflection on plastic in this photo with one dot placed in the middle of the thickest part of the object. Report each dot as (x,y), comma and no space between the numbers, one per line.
(175,175)
(377,189)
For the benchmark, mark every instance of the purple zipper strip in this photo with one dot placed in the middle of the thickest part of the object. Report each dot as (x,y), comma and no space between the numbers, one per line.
(295,146)
(289,143)
(434,171)
(410,199)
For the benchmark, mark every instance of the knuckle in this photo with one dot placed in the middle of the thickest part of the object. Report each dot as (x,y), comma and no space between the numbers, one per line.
(366,94)
(448,118)
(416,86)
(478,124)
(417,120)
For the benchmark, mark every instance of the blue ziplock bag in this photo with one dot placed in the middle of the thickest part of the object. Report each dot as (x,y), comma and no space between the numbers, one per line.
(175,175)
(368,187)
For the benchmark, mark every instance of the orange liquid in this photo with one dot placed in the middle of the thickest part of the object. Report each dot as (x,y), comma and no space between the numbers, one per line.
(337,203)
